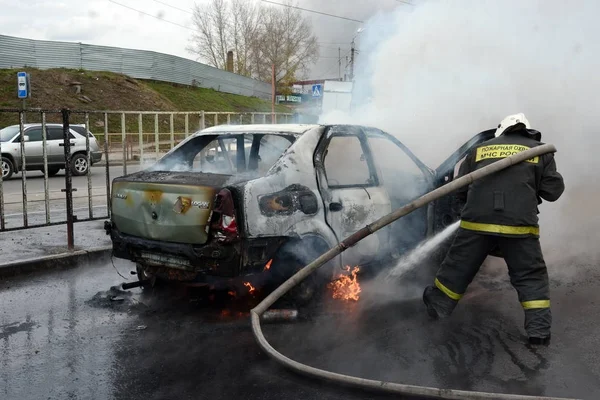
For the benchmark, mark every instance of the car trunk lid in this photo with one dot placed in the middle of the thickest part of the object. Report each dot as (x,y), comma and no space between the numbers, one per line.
(166,206)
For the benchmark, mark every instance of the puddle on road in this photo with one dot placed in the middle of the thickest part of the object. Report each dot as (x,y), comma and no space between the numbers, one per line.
(116,298)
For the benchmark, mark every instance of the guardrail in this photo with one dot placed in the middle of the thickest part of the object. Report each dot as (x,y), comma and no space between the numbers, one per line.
(140,138)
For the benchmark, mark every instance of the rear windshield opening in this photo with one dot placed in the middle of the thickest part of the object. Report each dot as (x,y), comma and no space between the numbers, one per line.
(247,155)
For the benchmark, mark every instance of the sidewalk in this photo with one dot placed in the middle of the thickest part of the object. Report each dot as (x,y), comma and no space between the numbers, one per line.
(47,243)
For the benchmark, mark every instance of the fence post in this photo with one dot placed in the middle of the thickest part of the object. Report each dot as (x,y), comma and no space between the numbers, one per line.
(156,136)
(252,118)
(108,206)
(45,159)
(23,167)
(141,139)
(202,120)
(124,143)
(68,179)
(172,127)
(216,119)
(187,124)
(89,166)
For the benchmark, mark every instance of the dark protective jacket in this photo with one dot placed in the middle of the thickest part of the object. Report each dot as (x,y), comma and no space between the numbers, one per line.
(506,202)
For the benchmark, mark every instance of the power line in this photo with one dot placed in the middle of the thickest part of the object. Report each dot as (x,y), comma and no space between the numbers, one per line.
(153,16)
(176,8)
(312,11)
(405,2)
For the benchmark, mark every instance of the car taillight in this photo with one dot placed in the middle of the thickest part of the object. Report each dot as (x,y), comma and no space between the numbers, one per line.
(224,222)
(228,223)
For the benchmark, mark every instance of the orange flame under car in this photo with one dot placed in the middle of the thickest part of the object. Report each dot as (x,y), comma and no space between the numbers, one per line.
(251,288)
(346,287)
(268,266)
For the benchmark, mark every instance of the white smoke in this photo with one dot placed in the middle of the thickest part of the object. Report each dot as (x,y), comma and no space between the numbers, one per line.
(442,71)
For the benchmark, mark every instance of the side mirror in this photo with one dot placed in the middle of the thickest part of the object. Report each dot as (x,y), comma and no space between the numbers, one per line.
(26,138)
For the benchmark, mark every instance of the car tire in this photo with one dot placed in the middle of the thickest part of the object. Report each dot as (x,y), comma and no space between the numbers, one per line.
(8,168)
(286,263)
(79,165)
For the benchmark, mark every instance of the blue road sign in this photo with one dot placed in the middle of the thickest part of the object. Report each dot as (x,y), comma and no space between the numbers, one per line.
(22,85)
(316,90)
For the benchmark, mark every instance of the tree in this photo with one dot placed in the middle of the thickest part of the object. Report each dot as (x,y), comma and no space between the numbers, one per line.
(211,41)
(259,37)
(246,34)
(287,42)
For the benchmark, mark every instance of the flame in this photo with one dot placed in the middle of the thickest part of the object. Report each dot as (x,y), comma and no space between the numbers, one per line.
(251,288)
(232,293)
(346,287)
(268,266)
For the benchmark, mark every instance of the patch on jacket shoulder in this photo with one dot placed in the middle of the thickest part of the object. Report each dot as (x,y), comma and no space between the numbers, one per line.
(496,151)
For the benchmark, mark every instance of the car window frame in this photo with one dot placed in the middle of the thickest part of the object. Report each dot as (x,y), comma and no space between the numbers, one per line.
(353,131)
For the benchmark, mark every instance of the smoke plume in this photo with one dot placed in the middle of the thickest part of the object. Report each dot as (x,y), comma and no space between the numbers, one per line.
(436,74)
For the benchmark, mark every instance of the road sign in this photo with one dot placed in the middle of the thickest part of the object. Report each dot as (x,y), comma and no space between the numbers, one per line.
(23,85)
(316,90)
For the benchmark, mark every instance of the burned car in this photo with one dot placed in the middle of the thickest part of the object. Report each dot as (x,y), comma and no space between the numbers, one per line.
(252,204)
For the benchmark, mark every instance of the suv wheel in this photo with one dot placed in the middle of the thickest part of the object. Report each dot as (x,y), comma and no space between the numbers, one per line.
(7,168)
(79,165)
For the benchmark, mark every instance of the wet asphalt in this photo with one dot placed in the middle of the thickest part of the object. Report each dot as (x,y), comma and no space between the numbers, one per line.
(66,334)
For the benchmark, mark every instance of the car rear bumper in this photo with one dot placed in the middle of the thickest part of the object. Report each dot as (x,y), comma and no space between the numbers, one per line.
(211,263)
(214,259)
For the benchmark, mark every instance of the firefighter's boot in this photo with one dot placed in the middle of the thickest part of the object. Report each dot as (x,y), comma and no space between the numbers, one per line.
(438,305)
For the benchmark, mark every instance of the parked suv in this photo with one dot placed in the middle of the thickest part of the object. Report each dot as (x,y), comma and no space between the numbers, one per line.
(34,160)
(254,203)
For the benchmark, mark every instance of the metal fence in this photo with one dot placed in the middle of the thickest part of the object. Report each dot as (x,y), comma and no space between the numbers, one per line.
(18,52)
(131,139)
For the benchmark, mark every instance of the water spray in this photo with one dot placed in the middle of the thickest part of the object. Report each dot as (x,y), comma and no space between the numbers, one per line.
(388,387)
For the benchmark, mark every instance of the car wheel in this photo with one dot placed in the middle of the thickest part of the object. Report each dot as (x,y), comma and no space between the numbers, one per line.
(7,168)
(287,263)
(79,165)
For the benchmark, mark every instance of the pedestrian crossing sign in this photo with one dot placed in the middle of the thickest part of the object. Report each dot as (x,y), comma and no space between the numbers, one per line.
(316,90)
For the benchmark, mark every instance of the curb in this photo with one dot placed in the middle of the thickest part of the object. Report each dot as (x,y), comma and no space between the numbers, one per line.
(62,260)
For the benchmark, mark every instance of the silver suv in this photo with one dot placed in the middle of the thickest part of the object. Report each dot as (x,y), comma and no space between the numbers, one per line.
(34,160)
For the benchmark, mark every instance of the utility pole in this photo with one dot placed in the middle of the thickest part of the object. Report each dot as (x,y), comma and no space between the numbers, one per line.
(352,62)
(340,63)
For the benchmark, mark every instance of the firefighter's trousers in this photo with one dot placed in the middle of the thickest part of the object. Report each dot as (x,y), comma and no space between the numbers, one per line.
(526,268)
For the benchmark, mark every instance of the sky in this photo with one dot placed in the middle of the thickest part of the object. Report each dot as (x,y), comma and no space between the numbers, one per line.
(103,22)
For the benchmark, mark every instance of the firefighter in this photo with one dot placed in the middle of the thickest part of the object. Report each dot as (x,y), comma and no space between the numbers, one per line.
(500,214)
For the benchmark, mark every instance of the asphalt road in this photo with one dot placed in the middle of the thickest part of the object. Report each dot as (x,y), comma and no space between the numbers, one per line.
(61,337)
(36,208)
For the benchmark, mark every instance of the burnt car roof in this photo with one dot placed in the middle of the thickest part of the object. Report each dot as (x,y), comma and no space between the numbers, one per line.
(297,129)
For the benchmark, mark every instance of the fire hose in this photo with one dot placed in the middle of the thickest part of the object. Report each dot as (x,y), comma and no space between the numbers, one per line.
(388,387)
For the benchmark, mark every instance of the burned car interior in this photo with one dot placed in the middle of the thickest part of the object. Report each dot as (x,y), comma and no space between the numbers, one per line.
(247,155)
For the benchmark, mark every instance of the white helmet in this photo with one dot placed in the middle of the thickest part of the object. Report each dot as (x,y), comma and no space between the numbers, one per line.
(512,120)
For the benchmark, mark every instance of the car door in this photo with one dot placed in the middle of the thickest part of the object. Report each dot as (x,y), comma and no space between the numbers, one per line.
(405,178)
(56,145)
(352,193)
(447,209)
(34,147)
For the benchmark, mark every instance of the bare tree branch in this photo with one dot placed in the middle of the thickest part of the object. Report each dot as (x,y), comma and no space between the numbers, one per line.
(259,36)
